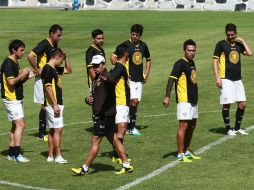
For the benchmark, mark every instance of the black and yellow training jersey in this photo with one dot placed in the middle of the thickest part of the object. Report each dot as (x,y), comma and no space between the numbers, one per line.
(122,89)
(43,51)
(90,52)
(50,77)
(185,75)
(136,55)
(9,70)
(229,59)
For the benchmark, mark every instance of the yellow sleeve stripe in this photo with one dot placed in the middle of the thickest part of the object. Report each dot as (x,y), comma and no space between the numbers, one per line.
(148,58)
(11,77)
(114,55)
(173,77)
(89,66)
(34,54)
(216,57)
(48,84)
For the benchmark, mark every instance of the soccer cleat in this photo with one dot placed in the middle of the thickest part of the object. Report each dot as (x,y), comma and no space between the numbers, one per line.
(118,160)
(135,132)
(183,158)
(10,158)
(192,156)
(50,159)
(79,171)
(231,132)
(241,132)
(44,138)
(60,160)
(127,169)
(22,159)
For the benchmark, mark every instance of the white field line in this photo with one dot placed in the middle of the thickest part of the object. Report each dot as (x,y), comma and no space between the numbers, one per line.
(22,186)
(174,163)
(84,122)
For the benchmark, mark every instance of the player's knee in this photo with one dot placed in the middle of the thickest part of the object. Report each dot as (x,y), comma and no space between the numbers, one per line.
(242,105)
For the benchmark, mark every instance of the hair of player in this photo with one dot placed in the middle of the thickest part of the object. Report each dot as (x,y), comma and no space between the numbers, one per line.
(96,32)
(121,50)
(57,52)
(15,45)
(189,42)
(54,28)
(230,27)
(138,28)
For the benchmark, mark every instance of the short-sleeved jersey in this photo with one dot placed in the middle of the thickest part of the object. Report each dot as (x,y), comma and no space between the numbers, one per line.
(185,74)
(9,70)
(122,89)
(50,77)
(43,52)
(229,59)
(90,52)
(136,55)
(103,93)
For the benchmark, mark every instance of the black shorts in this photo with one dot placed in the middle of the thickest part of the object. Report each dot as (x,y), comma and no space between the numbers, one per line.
(103,125)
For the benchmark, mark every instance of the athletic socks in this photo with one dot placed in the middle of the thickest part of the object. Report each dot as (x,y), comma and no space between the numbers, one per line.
(238,118)
(133,116)
(11,151)
(16,151)
(85,167)
(225,115)
(42,123)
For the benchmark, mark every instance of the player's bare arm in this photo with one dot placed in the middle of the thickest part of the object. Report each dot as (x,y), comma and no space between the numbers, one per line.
(218,81)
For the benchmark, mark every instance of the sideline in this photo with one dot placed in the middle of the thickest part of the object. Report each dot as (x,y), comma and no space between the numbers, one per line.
(174,163)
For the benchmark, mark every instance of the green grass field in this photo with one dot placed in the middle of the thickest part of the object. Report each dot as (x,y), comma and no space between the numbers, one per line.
(226,166)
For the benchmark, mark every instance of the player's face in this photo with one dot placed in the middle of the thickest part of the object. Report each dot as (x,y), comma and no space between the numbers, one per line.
(231,35)
(98,68)
(190,51)
(98,40)
(19,53)
(56,37)
(135,37)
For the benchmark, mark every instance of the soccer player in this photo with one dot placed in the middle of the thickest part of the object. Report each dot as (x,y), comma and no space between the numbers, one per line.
(103,104)
(12,80)
(94,49)
(227,72)
(54,107)
(38,57)
(184,75)
(138,50)
(122,90)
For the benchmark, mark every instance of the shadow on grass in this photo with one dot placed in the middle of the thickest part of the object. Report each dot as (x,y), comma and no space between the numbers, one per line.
(174,154)
(220,130)
(5,152)
(45,153)
(98,167)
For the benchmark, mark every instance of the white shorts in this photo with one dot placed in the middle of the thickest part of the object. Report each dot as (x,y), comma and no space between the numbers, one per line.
(186,111)
(52,121)
(136,90)
(15,109)
(122,114)
(38,91)
(232,91)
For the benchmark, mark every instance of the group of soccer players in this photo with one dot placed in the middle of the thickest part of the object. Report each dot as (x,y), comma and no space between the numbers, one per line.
(115,94)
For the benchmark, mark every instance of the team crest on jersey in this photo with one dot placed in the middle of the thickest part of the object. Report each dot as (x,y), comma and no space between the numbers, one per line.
(137,58)
(193,76)
(234,57)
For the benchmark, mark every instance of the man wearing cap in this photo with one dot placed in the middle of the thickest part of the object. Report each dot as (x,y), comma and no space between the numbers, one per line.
(103,103)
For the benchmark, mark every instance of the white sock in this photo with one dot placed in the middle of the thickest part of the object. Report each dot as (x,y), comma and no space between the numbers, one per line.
(187,153)
(180,154)
(85,167)
(126,164)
